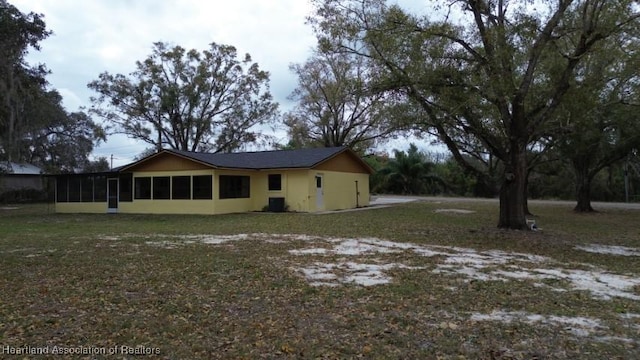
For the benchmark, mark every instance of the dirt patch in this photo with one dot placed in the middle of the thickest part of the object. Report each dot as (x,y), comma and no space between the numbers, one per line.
(323,274)
(165,244)
(609,249)
(578,326)
(364,261)
(492,265)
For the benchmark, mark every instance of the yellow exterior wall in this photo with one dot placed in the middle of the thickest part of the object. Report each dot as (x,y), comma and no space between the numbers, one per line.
(298,188)
(226,206)
(339,176)
(260,192)
(339,190)
(259,189)
(82,207)
(294,190)
(297,193)
(170,206)
(167,207)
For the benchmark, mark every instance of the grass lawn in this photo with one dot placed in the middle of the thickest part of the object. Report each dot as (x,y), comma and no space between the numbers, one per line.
(410,282)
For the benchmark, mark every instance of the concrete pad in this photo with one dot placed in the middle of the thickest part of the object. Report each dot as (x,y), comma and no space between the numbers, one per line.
(388,200)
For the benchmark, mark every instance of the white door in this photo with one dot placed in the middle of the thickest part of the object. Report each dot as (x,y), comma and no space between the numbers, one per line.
(319,193)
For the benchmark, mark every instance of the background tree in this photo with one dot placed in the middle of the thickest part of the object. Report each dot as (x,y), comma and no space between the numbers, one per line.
(599,132)
(496,73)
(18,81)
(101,164)
(377,180)
(411,173)
(460,182)
(59,141)
(336,105)
(630,176)
(187,100)
(598,126)
(34,126)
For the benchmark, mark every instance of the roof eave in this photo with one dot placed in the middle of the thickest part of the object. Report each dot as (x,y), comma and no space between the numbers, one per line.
(165,151)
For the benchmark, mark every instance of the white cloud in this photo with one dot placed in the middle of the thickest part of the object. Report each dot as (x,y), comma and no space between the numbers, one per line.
(91,37)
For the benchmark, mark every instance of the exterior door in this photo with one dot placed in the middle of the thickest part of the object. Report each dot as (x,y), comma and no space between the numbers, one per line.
(319,193)
(112,195)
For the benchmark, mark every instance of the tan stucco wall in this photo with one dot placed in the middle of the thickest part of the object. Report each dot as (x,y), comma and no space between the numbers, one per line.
(168,162)
(343,162)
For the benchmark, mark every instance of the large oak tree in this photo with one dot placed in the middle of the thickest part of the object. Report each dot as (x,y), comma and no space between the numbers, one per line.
(19,32)
(599,125)
(188,100)
(336,105)
(34,126)
(59,141)
(493,70)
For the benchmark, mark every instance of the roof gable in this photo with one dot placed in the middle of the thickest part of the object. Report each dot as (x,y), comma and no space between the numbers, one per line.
(262,160)
(165,161)
(346,161)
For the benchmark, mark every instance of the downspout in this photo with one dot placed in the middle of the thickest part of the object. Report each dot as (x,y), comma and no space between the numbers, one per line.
(357,195)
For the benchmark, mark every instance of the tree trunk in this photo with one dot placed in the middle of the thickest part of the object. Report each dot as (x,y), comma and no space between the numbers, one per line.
(159,141)
(583,193)
(12,117)
(512,192)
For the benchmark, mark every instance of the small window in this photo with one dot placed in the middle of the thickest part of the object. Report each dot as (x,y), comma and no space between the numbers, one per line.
(86,185)
(161,187)
(125,187)
(143,188)
(100,188)
(62,185)
(275,182)
(234,187)
(74,189)
(202,187)
(319,182)
(181,187)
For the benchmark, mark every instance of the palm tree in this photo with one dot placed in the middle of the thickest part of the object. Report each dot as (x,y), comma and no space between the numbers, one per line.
(410,173)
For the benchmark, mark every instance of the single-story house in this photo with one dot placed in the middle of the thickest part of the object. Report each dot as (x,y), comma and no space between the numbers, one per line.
(182,182)
(20,182)
(14,176)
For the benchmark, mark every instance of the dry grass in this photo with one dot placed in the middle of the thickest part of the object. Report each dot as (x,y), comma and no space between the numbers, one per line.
(169,283)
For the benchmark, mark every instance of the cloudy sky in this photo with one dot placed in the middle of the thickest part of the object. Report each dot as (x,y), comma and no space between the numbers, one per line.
(93,36)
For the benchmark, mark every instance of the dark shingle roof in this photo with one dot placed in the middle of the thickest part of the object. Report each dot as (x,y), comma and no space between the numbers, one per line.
(279,159)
